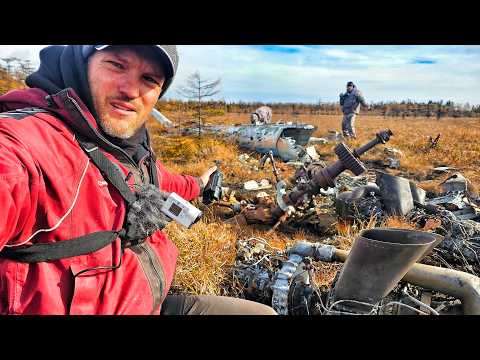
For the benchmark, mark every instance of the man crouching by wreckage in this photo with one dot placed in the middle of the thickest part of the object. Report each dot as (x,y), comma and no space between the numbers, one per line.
(80,189)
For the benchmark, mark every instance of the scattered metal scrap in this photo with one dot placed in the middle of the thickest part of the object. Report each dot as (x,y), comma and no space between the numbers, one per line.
(381,275)
(307,183)
(452,214)
(317,195)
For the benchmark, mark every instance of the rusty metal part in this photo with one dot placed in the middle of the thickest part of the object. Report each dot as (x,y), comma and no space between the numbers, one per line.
(262,161)
(349,160)
(259,214)
(378,260)
(314,178)
(323,178)
(380,138)
(279,222)
(461,285)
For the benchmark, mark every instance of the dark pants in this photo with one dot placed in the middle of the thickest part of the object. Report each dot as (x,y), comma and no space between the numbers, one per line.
(348,125)
(212,305)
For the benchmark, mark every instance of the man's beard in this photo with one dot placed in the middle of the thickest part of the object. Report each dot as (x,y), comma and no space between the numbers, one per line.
(121,130)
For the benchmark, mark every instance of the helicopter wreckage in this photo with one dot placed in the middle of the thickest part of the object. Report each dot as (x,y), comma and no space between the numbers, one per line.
(387,270)
(287,141)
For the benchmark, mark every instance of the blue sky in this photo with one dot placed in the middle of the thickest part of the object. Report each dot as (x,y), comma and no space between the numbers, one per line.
(309,73)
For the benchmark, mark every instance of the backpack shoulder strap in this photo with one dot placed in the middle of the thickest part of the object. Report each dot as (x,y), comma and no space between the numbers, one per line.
(108,169)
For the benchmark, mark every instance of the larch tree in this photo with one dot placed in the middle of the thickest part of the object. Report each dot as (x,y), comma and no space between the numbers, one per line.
(196,88)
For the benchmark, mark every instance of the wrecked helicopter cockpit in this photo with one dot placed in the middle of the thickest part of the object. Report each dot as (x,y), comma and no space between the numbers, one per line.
(285,140)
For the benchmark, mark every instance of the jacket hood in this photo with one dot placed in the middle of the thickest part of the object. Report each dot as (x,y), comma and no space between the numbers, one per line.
(63,67)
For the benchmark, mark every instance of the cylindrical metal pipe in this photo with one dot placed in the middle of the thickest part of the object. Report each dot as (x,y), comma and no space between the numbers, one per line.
(381,138)
(378,260)
(461,285)
(363,149)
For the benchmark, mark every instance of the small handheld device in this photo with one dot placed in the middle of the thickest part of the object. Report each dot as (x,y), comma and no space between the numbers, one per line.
(213,190)
(181,211)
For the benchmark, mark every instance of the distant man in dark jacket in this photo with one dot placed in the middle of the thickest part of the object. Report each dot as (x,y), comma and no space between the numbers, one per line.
(350,103)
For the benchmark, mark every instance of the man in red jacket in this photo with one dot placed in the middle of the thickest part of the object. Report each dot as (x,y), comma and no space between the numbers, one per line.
(81,190)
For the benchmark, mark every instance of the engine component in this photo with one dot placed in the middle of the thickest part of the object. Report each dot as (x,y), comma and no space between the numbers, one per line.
(349,160)
(284,279)
(396,193)
(378,260)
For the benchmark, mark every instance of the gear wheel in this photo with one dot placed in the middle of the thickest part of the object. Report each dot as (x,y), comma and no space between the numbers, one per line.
(349,160)
(384,136)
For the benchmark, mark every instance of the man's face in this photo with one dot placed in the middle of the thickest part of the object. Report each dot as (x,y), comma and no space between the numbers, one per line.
(125,83)
(349,88)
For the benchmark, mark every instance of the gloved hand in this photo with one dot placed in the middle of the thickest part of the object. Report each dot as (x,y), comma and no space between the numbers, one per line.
(144,215)
(206,175)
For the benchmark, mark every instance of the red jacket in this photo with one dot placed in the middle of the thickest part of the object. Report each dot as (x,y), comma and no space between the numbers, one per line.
(50,191)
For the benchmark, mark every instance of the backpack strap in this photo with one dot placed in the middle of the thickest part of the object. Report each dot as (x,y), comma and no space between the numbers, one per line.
(85,244)
(109,170)
(81,245)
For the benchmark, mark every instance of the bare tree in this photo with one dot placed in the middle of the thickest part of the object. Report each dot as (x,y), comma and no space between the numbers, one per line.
(198,89)
(9,60)
(25,68)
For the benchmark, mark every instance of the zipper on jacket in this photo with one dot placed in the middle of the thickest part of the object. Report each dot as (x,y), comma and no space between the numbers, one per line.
(153,271)
(128,157)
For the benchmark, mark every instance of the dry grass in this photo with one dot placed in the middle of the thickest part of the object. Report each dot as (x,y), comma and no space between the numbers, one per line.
(207,251)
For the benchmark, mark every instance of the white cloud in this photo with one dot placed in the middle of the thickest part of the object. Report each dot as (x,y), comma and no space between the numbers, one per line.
(26,52)
(312,72)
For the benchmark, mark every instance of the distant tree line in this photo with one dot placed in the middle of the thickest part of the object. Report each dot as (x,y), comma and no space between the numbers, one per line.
(407,108)
(18,69)
(8,83)
(13,72)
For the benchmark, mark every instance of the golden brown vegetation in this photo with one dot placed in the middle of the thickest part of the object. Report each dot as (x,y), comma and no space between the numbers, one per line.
(8,83)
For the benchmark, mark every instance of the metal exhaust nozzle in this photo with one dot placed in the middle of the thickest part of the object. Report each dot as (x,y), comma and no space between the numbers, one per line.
(378,260)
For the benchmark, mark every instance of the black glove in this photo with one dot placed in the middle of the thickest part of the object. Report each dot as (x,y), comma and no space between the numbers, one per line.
(144,215)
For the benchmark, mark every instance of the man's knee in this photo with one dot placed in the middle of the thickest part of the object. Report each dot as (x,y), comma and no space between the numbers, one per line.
(254,308)
(223,305)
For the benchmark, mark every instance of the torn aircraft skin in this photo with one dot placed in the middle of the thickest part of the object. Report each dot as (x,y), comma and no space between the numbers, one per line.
(284,140)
